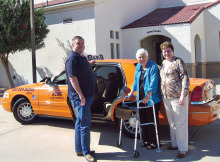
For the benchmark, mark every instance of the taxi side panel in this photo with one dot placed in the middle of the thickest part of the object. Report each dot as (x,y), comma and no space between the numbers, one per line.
(53,100)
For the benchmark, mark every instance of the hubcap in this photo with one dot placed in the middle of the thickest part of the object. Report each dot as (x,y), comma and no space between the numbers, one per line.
(132,121)
(25,112)
(130,124)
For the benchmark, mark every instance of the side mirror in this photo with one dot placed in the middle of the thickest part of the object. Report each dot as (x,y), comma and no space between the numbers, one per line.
(48,80)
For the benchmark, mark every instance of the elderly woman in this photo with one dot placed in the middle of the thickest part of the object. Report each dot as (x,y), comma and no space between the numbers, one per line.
(146,84)
(175,89)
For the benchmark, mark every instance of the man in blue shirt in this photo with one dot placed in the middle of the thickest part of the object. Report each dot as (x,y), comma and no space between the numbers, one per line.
(81,89)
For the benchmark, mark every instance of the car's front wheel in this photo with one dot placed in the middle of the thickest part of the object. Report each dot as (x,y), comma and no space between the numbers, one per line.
(23,111)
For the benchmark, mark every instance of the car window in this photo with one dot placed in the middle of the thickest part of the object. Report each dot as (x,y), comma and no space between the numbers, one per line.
(104,71)
(60,79)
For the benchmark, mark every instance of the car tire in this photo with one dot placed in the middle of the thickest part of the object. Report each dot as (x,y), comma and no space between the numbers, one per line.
(23,111)
(128,126)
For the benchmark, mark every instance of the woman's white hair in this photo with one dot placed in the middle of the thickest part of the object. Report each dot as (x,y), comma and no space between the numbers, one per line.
(141,51)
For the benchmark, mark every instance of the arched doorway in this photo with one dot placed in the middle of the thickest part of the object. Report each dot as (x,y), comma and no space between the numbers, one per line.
(152,45)
(198,56)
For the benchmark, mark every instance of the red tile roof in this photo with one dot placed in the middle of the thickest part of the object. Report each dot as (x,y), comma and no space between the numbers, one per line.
(51,3)
(171,15)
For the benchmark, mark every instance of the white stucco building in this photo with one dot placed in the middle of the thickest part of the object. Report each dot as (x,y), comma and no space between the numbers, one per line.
(117,28)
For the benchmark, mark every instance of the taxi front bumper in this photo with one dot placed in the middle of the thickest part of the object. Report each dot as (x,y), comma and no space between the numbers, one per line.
(6,104)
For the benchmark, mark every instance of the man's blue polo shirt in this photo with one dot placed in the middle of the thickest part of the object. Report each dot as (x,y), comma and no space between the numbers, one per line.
(79,67)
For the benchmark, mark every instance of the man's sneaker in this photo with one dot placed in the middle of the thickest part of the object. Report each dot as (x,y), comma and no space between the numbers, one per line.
(89,158)
(81,153)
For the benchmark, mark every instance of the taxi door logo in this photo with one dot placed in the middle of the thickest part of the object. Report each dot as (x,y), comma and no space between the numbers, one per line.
(57,96)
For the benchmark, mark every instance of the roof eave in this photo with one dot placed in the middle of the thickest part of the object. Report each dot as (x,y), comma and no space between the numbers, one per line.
(194,16)
(65,5)
(187,22)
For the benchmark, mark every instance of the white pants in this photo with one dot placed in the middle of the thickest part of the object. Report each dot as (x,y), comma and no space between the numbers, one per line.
(178,120)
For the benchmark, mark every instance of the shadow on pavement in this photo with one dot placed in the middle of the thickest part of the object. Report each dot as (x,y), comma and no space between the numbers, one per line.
(203,142)
(54,122)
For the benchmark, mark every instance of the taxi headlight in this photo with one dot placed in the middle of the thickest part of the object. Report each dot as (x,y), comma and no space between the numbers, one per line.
(6,95)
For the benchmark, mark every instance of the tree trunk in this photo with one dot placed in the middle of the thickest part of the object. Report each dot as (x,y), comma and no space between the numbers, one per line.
(4,59)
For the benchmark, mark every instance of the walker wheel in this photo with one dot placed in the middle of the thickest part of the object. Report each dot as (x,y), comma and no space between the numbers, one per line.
(118,144)
(136,153)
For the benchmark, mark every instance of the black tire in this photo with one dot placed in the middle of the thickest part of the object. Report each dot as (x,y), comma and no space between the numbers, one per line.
(135,154)
(118,145)
(128,126)
(23,111)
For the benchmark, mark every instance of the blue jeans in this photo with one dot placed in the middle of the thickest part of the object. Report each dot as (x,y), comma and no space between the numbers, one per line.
(82,125)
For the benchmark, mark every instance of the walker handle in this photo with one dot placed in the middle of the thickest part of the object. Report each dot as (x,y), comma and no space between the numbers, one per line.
(148,100)
(123,102)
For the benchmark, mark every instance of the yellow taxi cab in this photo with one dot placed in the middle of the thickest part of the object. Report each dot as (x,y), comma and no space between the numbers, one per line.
(114,78)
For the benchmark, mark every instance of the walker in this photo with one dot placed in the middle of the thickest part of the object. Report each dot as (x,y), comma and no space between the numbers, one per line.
(138,125)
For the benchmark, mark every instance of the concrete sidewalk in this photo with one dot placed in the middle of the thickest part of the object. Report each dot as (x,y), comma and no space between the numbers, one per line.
(52,140)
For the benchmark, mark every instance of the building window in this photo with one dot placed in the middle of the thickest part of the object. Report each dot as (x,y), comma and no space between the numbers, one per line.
(111,34)
(117,35)
(67,20)
(118,51)
(112,51)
